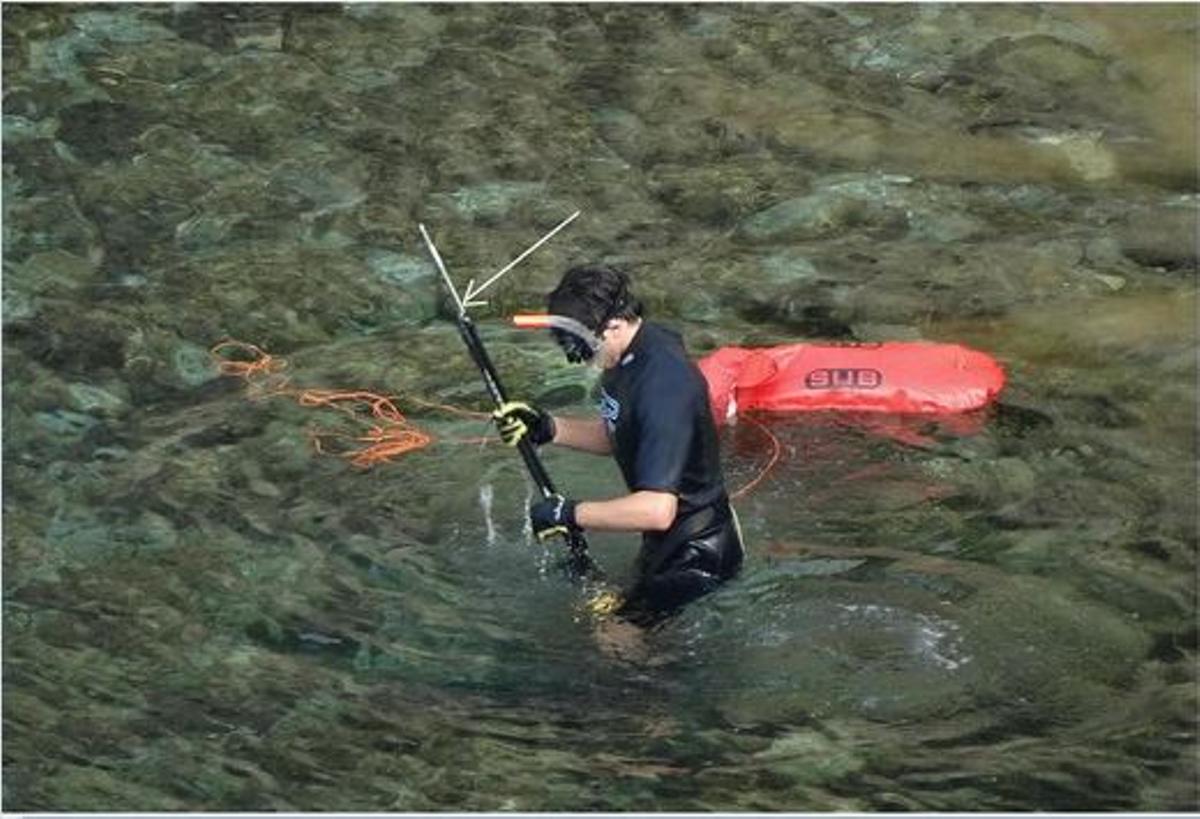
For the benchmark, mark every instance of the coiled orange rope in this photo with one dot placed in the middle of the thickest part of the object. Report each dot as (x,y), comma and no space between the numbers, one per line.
(384,433)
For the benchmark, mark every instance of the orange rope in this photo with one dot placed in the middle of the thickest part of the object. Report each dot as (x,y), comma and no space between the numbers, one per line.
(447,408)
(261,371)
(775,451)
(385,433)
(389,437)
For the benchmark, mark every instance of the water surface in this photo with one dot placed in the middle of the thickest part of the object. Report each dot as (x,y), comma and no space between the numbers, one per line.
(202,613)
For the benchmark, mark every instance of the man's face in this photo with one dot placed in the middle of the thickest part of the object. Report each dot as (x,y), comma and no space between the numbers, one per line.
(610,345)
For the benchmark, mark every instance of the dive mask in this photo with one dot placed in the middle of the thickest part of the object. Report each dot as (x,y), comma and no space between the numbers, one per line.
(576,340)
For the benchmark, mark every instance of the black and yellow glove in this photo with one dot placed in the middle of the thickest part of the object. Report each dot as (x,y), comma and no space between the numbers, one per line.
(604,602)
(516,419)
(551,516)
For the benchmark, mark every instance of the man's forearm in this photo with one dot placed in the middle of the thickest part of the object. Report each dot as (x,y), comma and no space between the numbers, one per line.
(643,511)
(587,434)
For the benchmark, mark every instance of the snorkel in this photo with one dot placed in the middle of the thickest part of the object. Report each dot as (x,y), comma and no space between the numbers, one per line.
(591,310)
(578,342)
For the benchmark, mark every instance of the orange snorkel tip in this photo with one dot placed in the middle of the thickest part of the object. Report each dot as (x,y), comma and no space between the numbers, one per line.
(579,343)
(527,321)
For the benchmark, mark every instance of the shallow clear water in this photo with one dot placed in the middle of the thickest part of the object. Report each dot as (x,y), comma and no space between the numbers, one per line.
(202,613)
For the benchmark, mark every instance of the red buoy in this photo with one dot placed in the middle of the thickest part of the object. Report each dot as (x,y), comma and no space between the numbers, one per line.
(904,377)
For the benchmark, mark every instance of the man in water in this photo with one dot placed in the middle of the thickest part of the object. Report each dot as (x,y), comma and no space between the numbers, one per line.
(655,419)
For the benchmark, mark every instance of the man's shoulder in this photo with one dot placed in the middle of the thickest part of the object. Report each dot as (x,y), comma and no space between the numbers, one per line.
(663,335)
(656,361)
(662,345)
(668,372)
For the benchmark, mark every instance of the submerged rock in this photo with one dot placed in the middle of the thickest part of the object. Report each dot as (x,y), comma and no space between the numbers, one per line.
(95,400)
(1162,237)
(193,365)
(402,269)
(65,422)
(81,538)
(123,26)
(264,36)
(809,755)
(818,215)
(52,224)
(323,190)
(886,207)
(20,129)
(490,201)
(413,294)
(789,266)
(623,131)
(207,230)
(55,272)
(98,131)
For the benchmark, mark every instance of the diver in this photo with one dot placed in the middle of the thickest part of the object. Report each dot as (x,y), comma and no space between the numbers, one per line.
(656,420)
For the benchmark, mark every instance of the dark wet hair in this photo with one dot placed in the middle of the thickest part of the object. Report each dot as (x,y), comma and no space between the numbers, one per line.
(594,295)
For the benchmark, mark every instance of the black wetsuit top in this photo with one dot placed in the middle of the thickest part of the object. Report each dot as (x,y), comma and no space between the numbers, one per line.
(656,410)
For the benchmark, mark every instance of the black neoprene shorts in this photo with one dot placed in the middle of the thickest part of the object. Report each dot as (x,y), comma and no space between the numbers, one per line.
(696,567)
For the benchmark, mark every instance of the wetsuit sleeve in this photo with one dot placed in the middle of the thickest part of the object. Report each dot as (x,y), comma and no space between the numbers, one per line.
(666,427)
